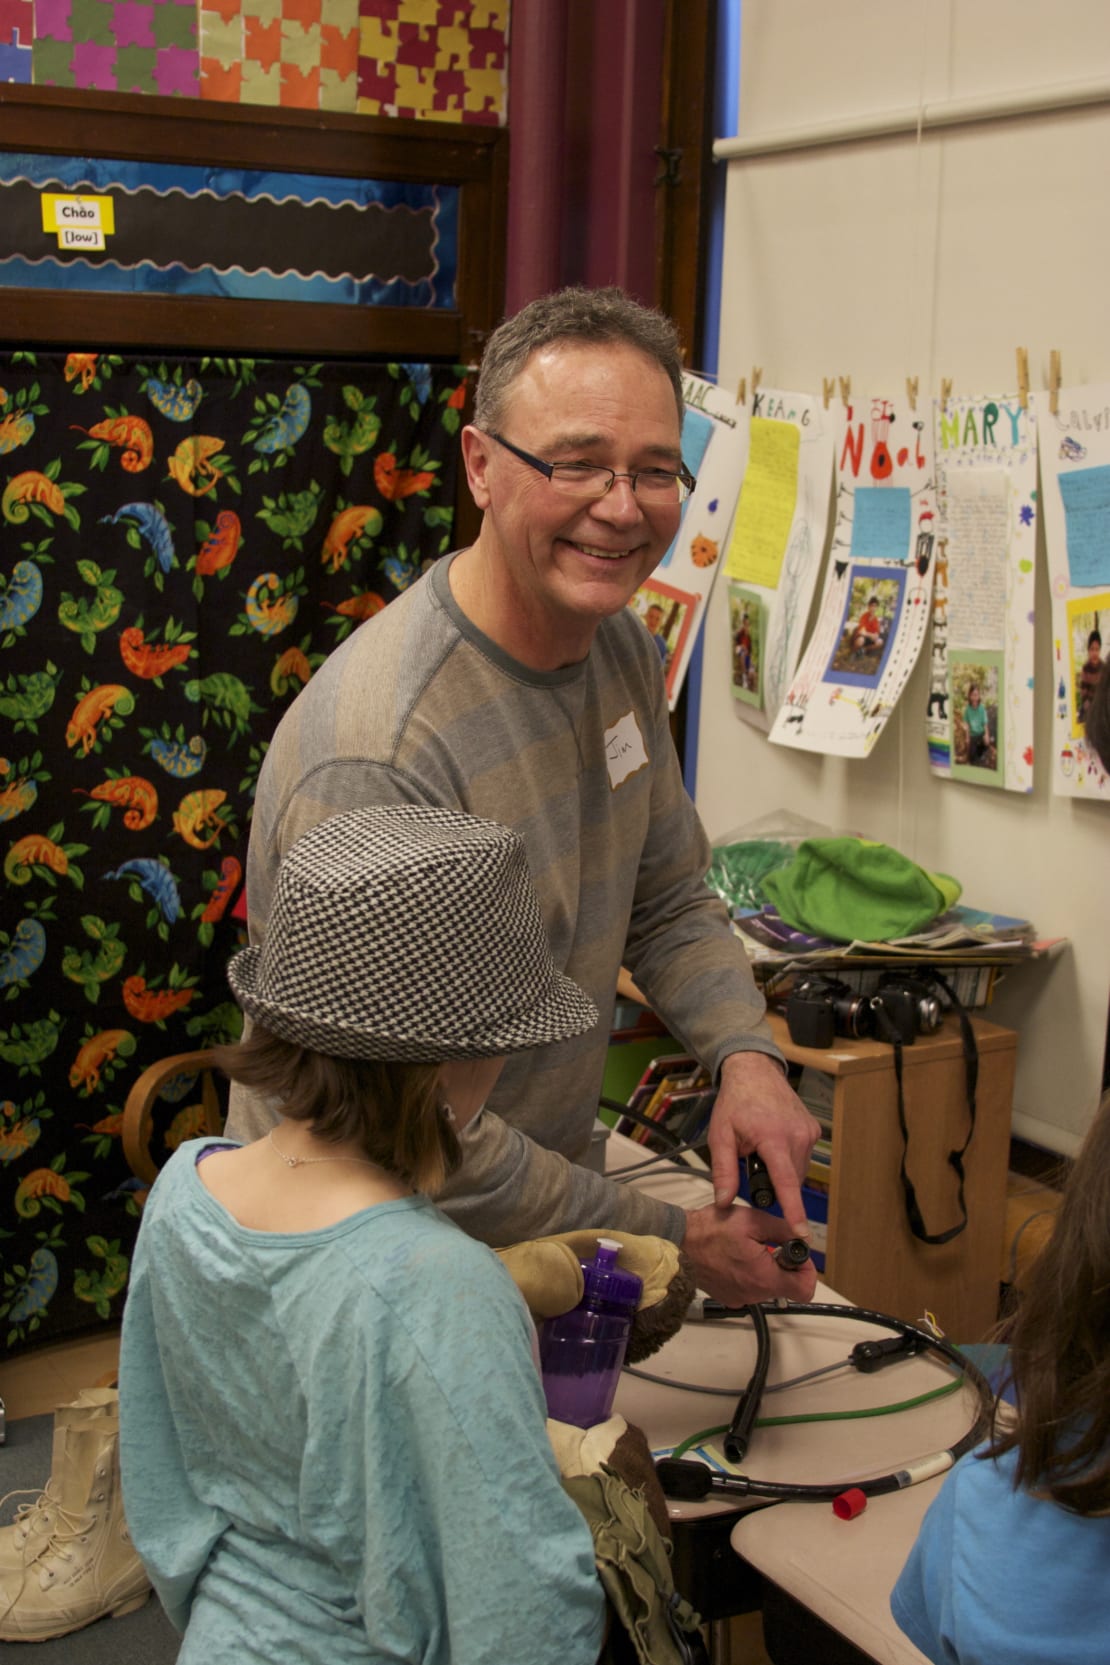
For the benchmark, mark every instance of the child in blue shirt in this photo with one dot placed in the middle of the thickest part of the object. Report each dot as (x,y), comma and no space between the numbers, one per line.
(1013,1558)
(333,1441)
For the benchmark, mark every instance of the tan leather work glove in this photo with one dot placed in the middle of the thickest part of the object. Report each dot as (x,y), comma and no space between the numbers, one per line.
(616,1445)
(547,1272)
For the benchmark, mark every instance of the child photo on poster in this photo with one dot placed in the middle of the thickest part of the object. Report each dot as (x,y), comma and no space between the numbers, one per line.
(746,634)
(976,681)
(1088,624)
(668,614)
(868,625)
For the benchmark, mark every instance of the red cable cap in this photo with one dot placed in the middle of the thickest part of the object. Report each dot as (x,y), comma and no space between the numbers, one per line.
(849,1504)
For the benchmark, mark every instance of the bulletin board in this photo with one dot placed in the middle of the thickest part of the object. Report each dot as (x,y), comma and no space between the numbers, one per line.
(456,172)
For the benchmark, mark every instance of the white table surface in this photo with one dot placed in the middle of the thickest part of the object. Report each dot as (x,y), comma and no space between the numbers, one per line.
(841,1570)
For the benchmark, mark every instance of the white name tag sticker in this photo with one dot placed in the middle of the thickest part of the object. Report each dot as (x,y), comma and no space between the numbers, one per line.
(625,751)
(76,237)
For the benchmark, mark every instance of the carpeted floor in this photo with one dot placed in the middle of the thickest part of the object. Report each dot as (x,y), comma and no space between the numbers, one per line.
(142,1638)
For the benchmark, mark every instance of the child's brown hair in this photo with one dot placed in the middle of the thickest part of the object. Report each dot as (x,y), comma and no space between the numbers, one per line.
(393,1111)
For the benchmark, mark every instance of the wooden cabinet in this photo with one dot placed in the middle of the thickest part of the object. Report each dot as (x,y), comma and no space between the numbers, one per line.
(873,1257)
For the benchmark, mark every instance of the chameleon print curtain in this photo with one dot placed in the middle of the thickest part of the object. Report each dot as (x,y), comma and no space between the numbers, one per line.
(182,542)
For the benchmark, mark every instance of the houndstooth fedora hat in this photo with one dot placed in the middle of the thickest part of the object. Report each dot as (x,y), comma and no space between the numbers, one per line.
(408,933)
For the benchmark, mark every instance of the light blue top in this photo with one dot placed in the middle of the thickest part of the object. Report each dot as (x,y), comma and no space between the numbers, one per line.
(333,1443)
(999,1575)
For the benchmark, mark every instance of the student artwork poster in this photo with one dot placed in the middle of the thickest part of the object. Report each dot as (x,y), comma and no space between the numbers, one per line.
(778,534)
(987,513)
(1075,483)
(714,444)
(878,588)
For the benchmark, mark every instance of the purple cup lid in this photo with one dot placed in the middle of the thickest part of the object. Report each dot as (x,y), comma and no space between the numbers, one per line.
(606,1281)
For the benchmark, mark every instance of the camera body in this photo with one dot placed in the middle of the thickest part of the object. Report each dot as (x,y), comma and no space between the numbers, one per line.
(910,1004)
(820,1008)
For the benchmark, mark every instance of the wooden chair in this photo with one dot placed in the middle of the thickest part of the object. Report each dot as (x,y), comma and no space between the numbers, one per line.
(138,1111)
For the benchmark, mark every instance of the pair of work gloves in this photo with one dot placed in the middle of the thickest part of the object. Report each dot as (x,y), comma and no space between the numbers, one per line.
(608,1469)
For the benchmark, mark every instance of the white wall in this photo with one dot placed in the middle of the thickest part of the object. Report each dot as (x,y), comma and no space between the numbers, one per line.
(886,258)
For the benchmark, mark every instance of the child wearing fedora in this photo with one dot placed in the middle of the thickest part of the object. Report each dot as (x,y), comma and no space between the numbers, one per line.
(333,1443)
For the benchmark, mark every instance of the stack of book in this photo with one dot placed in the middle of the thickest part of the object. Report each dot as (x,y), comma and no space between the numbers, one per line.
(671,1103)
(969,946)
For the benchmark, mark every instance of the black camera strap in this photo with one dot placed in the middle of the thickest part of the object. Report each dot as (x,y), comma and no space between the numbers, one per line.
(888,1031)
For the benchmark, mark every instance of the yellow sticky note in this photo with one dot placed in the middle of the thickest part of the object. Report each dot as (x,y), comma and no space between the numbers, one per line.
(82,213)
(765,511)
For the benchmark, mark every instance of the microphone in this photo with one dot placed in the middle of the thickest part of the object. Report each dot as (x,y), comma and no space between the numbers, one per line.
(693,1481)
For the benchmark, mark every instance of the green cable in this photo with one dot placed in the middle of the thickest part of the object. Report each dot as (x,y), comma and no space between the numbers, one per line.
(825,1416)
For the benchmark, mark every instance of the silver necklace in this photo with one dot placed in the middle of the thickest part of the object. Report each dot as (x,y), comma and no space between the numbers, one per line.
(307,1161)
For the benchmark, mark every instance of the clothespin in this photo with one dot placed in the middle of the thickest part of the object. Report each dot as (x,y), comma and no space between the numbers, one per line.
(757,377)
(911,391)
(945,391)
(828,388)
(1053,380)
(1023,376)
(742,390)
(845,390)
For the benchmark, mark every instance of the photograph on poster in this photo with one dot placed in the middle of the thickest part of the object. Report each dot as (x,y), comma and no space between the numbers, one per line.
(746,635)
(668,614)
(871,610)
(976,681)
(1088,628)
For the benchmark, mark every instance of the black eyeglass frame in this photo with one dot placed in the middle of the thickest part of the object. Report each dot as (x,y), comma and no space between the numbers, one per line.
(682,475)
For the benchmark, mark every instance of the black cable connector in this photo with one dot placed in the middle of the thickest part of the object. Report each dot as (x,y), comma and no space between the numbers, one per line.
(761,1193)
(869,1356)
(792,1255)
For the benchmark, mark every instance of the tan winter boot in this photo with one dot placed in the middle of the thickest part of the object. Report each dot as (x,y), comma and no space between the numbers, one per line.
(87,1566)
(34,1521)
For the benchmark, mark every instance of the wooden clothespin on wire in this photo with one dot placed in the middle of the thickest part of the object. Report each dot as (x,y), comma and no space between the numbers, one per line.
(1023,376)
(845,390)
(945,391)
(828,388)
(757,377)
(742,390)
(911,391)
(1054,380)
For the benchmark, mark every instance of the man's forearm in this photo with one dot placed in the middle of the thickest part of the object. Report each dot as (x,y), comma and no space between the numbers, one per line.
(510,1189)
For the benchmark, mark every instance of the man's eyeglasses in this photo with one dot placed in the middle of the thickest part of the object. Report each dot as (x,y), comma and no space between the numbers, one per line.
(590,481)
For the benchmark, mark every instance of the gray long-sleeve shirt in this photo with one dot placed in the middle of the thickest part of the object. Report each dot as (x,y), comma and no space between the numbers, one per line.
(418,706)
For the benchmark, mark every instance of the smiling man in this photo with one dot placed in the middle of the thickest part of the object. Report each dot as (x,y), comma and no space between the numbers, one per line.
(515,682)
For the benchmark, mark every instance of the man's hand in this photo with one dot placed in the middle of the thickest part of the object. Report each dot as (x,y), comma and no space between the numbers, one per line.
(758,1110)
(727,1247)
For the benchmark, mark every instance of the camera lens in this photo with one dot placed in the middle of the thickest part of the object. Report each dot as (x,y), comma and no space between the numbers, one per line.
(928,1014)
(853,1016)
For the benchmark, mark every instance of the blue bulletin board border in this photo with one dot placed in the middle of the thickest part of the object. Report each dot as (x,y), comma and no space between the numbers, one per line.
(234,233)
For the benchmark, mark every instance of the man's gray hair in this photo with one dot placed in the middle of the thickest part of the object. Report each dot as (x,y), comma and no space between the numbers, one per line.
(590,317)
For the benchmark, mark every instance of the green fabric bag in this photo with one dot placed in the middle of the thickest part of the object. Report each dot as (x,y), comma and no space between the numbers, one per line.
(650,1623)
(855,890)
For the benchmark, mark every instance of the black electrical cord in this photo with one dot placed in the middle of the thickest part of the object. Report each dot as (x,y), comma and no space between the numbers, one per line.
(739,1434)
(691,1480)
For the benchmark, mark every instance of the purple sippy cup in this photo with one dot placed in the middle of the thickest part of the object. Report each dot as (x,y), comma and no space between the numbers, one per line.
(582,1351)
